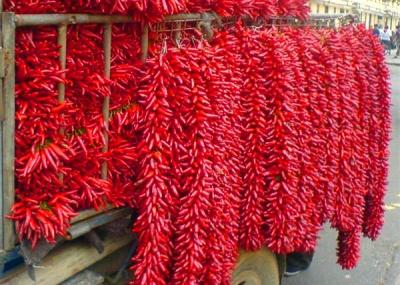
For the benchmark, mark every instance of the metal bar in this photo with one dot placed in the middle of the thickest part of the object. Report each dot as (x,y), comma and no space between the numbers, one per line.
(86,226)
(8,190)
(62,43)
(186,17)
(73,19)
(68,19)
(145,43)
(2,117)
(106,103)
(178,33)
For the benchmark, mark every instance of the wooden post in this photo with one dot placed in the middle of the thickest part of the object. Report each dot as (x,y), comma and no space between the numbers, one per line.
(8,139)
(106,103)
(62,42)
(2,117)
(145,43)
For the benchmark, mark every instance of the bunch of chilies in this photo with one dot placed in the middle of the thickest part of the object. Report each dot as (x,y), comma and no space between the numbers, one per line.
(156,9)
(255,139)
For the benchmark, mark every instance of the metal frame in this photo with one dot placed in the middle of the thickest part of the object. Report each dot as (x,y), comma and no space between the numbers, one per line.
(9,22)
(7,93)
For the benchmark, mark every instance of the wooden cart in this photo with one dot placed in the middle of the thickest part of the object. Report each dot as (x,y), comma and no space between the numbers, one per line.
(263,267)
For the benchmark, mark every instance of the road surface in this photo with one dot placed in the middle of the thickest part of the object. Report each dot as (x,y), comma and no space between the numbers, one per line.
(380,262)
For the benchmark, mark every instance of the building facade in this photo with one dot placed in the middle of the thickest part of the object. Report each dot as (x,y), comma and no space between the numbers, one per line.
(371,12)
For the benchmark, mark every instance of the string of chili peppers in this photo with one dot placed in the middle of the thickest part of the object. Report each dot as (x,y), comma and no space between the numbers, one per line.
(223,89)
(379,138)
(307,130)
(254,101)
(156,198)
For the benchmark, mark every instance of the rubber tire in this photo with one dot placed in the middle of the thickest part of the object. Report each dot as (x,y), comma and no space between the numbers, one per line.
(256,268)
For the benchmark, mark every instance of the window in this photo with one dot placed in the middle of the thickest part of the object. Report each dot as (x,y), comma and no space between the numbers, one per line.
(341,11)
(326,9)
(334,10)
(318,8)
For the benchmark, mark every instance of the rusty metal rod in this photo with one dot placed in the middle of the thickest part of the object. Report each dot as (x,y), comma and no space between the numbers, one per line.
(73,19)
(62,43)
(145,43)
(68,19)
(106,103)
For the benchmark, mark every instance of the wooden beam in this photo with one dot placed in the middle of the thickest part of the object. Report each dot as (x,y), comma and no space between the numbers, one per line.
(66,261)
(83,227)
(8,189)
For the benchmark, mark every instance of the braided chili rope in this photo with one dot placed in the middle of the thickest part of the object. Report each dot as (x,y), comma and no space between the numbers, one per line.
(225,210)
(198,181)
(349,240)
(312,140)
(379,141)
(284,196)
(329,61)
(342,219)
(254,102)
(304,129)
(155,198)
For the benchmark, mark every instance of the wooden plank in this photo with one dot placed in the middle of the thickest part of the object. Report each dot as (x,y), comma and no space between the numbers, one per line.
(8,38)
(107,44)
(66,261)
(85,215)
(83,227)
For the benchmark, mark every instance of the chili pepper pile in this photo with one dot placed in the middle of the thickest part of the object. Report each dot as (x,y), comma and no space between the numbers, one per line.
(60,143)
(255,139)
(155,9)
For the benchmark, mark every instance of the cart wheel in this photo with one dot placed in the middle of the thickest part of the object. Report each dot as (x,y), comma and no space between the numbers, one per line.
(256,268)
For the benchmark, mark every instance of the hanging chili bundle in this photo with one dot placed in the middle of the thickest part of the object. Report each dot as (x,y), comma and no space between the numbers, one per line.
(379,137)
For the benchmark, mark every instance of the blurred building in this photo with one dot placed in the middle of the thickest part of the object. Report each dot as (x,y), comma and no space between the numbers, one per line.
(381,12)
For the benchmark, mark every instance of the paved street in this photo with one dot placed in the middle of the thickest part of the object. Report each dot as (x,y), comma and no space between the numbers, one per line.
(380,263)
